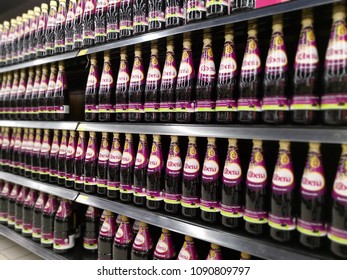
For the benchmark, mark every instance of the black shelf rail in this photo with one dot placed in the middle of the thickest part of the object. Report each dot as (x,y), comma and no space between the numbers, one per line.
(286,7)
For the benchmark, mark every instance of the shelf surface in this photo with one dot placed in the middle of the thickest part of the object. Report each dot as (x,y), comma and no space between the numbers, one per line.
(261,247)
(43,187)
(218,21)
(319,134)
(61,125)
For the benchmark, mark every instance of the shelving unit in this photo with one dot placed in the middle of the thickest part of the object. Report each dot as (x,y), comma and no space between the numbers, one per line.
(41,124)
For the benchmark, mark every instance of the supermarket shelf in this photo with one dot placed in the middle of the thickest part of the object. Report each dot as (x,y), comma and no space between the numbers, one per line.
(320,134)
(43,187)
(29,244)
(39,61)
(219,21)
(41,124)
(263,248)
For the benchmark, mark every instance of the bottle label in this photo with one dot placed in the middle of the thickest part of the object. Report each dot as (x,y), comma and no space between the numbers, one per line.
(312,229)
(209,206)
(90,243)
(281,223)
(137,75)
(172,198)
(64,243)
(306,58)
(139,191)
(313,181)
(334,102)
(276,61)
(125,24)
(115,156)
(249,105)
(104,153)
(155,163)
(283,177)
(156,15)
(140,20)
(207,69)
(251,64)
(93,78)
(142,155)
(164,249)
(169,76)
(275,103)
(108,227)
(305,103)
(256,174)
(174,162)
(196,5)
(80,150)
(124,234)
(186,71)
(255,217)
(167,107)
(128,154)
(337,235)
(174,12)
(47,238)
(210,170)
(188,252)
(154,195)
(91,108)
(143,240)
(184,106)
(123,75)
(214,255)
(91,154)
(205,106)
(70,152)
(210,3)
(339,193)
(191,169)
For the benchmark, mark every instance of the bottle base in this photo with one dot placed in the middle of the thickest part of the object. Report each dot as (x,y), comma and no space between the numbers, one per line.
(311,242)
(79,186)
(255,229)
(53,179)
(153,205)
(104,257)
(281,235)
(126,197)
(210,217)
(89,188)
(61,182)
(102,191)
(113,194)
(232,223)
(339,249)
(139,201)
(335,117)
(172,208)
(43,178)
(69,184)
(192,213)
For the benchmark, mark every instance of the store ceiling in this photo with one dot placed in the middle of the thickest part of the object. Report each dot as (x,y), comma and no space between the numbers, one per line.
(12,8)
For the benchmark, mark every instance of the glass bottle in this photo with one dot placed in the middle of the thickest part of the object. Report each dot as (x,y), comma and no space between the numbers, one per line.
(89,23)
(140,172)
(112,20)
(92,90)
(51,26)
(127,170)
(41,31)
(113,170)
(79,161)
(69,26)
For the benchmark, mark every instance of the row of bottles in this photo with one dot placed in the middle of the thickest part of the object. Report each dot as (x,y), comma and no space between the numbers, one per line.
(186,187)
(246,95)
(41,93)
(82,23)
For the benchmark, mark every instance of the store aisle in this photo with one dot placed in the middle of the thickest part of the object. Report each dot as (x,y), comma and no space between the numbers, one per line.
(10,250)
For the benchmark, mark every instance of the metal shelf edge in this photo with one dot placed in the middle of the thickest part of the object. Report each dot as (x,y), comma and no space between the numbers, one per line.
(64,125)
(47,188)
(29,244)
(229,240)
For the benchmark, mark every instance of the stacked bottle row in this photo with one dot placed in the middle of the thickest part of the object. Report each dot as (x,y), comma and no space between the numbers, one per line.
(178,94)
(83,23)
(149,179)
(41,93)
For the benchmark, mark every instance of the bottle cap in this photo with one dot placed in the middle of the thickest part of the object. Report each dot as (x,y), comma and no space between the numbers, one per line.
(92,133)
(16,74)
(104,134)
(314,147)
(46,131)
(137,50)
(22,72)
(154,47)
(19,20)
(81,133)
(307,17)
(125,218)
(211,140)
(187,43)
(31,13)
(284,145)
(143,137)
(44,6)
(64,132)
(257,144)
(109,213)
(143,224)
(37,10)
(13,22)
(174,138)
(38,130)
(229,33)
(93,59)
(207,38)
(215,246)
(156,138)
(45,68)
(128,136)
(123,51)
(72,133)
(232,141)
(115,135)
(61,65)
(277,23)
(107,56)
(53,66)
(188,238)
(339,11)
(245,256)
(344,149)
(192,139)
(31,71)
(53,3)
(164,230)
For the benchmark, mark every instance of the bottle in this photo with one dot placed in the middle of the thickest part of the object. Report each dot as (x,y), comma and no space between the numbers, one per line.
(155,176)
(275,103)
(232,188)
(112,20)
(281,215)
(104,154)
(11,205)
(50,29)
(61,95)
(106,92)
(4,197)
(168,84)
(140,172)
(37,216)
(255,213)
(215,253)
(102,218)
(59,35)
(22,151)
(90,163)
(69,26)
(333,99)
(20,32)
(7,96)
(14,39)
(140,19)
(127,170)
(54,155)
(156,15)
(152,88)
(91,232)
(41,31)
(28,212)
(188,250)
(190,200)
(70,160)
(217,8)
(205,99)
(100,21)
(2,93)
(44,156)
(226,103)
(113,168)
(11,148)
(185,84)
(305,102)
(126,18)
(47,222)
(106,236)
(64,228)
(46,107)
(165,249)
(337,232)
(142,248)
(78,24)
(9,43)
(196,10)
(88,23)
(173,178)
(242,5)
(136,227)
(27,18)
(312,217)
(3,40)
(18,226)
(33,32)
(13,95)
(35,155)
(92,90)
(27,95)
(41,94)
(62,158)
(123,241)
(136,88)
(34,106)
(249,103)
(174,13)
(122,87)
(79,161)
(19,104)
(16,150)
(5,149)
(210,184)
(28,153)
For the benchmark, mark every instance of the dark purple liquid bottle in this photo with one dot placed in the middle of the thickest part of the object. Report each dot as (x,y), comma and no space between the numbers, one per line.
(22,152)
(47,225)
(89,23)
(54,156)
(156,15)
(100,21)
(37,216)
(46,104)
(165,249)
(78,25)
(41,31)
(90,163)
(19,102)
(18,226)
(34,102)
(174,13)
(59,35)
(127,170)
(113,169)
(42,93)
(62,158)
(91,232)
(126,18)
(140,10)
(44,155)
(13,95)
(28,152)
(61,95)
(102,167)
(69,26)
(92,90)
(142,248)
(28,212)
(140,172)
(106,237)
(112,20)
(16,150)
(79,161)
(70,160)
(123,241)
(27,95)
(50,30)
(9,211)
(35,155)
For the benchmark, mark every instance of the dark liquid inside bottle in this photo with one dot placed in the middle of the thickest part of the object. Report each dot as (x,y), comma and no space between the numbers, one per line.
(184,93)
(152,95)
(53,166)
(198,11)
(249,87)
(155,182)
(232,195)
(91,99)
(90,172)
(121,252)
(191,188)
(69,34)
(91,232)
(136,96)
(173,13)
(69,169)
(41,42)
(102,174)
(216,9)
(226,91)
(256,201)
(209,192)
(44,165)
(126,178)
(59,38)
(16,160)
(100,25)
(167,95)
(63,229)
(339,221)
(141,255)
(27,218)
(4,206)
(37,219)
(19,216)
(140,181)
(60,100)
(106,98)
(88,27)
(126,18)
(78,28)
(140,11)
(243,5)
(61,169)
(173,185)
(35,164)
(122,98)
(105,247)
(204,93)
(156,13)
(50,32)
(10,209)
(112,22)
(79,171)
(113,175)
(47,227)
